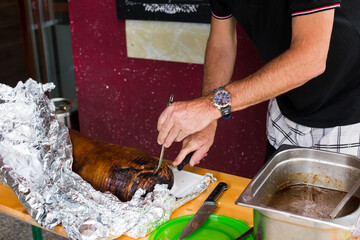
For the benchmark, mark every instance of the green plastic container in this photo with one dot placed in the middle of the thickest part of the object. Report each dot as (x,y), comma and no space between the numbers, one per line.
(216,227)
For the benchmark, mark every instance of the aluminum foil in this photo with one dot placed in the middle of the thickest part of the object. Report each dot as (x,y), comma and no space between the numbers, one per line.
(36,161)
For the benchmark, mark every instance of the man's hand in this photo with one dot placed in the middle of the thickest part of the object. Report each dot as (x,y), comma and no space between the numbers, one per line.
(200,142)
(181,119)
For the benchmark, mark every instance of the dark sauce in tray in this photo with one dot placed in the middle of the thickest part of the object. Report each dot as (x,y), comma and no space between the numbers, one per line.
(311,201)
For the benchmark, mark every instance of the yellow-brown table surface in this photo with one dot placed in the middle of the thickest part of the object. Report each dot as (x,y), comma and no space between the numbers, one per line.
(11,206)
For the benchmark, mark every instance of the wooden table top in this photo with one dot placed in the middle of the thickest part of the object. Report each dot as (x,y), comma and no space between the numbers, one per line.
(10,205)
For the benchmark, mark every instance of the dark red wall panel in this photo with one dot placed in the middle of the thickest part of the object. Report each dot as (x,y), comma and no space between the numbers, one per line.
(120,98)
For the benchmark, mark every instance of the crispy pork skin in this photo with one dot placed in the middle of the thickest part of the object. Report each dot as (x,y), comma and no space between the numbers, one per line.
(115,168)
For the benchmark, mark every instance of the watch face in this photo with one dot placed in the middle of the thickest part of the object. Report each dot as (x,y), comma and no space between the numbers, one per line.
(222,98)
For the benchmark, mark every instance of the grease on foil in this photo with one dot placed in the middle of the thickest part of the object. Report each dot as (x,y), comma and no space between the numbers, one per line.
(36,161)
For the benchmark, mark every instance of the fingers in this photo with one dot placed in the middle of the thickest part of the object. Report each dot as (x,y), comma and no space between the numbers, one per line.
(200,142)
(161,120)
(182,155)
(181,136)
(196,157)
(165,124)
(173,134)
(168,130)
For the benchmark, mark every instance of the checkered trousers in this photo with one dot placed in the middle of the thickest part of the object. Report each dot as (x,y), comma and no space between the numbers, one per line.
(280,130)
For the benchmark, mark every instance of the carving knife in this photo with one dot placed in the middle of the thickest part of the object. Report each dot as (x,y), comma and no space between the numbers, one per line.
(204,212)
(245,234)
(171,100)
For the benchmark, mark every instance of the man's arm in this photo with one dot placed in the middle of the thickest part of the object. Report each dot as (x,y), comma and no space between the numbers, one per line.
(218,68)
(304,60)
(220,54)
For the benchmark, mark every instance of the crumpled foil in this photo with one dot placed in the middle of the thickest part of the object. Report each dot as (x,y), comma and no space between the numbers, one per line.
(36,161)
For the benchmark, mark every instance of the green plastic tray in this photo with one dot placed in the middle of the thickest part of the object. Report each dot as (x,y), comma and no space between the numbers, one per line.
(215,227)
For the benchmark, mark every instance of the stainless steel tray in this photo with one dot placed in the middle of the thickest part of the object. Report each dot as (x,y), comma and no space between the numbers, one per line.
(291,165)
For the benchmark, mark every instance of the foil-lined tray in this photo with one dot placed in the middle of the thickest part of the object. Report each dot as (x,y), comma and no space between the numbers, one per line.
(36,163)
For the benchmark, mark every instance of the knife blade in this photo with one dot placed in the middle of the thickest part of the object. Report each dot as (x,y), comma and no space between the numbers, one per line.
(171,100)
(245,234)
(204,212)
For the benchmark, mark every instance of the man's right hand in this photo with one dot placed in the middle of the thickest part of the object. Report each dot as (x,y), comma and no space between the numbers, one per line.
(200,142)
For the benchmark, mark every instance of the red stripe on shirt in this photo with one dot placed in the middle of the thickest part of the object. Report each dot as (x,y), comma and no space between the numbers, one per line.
(316,9)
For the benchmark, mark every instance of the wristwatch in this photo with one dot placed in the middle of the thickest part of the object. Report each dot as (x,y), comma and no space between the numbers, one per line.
(221,99)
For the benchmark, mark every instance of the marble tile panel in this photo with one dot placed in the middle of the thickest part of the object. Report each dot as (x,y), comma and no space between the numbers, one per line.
(167,41)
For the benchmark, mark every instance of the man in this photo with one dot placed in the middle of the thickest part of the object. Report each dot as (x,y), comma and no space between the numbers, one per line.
(311,73)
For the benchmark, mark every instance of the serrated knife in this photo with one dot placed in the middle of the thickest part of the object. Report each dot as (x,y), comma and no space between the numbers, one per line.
(204,212)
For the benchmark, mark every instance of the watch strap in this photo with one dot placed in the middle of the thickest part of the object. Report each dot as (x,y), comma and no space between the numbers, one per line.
(217,89)
(226,112)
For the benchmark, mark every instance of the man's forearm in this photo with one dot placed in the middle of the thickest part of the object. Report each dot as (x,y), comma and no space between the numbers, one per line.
(218,69)
(219,59)
(304,60)
(283,74)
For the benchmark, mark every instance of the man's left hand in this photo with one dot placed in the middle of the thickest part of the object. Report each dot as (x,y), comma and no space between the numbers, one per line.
(199,142)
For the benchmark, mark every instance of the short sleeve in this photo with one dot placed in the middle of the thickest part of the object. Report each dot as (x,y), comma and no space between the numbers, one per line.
(219,9)
(303,7)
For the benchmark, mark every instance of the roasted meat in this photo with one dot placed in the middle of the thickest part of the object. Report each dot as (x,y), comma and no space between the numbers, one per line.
(118,169)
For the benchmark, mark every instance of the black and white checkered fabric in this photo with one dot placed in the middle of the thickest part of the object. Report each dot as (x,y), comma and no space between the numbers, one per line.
(280,130)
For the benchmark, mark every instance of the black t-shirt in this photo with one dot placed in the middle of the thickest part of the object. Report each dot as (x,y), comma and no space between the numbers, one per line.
(331,99)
